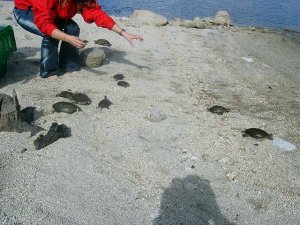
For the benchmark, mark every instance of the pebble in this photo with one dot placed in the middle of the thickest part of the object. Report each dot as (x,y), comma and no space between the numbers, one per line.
(231,176)
(156,115)
(249,60)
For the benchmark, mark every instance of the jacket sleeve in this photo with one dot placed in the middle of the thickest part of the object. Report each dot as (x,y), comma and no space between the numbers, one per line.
(93,13)
(44,15)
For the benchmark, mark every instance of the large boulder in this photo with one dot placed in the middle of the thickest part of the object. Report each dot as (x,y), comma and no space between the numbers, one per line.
(146,17)
(222,18)
(92,57)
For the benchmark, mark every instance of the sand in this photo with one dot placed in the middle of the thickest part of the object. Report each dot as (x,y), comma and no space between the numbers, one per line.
(193,167)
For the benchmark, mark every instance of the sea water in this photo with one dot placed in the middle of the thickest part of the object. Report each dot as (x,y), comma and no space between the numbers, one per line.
(279,14)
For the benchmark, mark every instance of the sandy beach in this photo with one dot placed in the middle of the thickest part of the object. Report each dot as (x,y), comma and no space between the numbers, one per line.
(192,167)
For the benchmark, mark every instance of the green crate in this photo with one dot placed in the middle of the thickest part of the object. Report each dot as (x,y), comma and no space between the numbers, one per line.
(7,47)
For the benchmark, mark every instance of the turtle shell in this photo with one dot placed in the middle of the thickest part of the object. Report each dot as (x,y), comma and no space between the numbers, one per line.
(257,133)
(118,76)
(220,110)
(103,42)
(65,94)
(27,114)
(66,107)
(104,103)
(123,84)
(81,98)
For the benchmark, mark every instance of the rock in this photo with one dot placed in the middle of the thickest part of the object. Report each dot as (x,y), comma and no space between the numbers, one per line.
(10,118)
(252,28)
(208,19)
(176,22)
(146,17)
(92,57)
(55,132)
(222,18)
(231,176)
(197,23)
(265,30)
(156,116)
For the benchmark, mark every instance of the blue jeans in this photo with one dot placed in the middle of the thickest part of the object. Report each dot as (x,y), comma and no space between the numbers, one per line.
(51,61)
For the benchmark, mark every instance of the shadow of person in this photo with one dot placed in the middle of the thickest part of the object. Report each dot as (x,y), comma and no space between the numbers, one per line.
(119,57)
(189,201)
(21,66)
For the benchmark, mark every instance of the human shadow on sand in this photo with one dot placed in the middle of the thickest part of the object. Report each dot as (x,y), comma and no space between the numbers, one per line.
(21,66)
(189,201)
(119,57)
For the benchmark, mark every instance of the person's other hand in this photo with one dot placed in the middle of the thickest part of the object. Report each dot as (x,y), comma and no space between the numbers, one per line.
(76,41)
(130,37)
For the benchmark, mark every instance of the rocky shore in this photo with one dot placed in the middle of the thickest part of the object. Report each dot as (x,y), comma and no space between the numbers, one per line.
(157,155)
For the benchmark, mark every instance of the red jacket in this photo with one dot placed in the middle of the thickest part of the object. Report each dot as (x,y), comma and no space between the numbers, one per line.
(46,13)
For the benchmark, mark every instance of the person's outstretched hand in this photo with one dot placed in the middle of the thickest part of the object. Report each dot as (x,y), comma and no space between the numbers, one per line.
(76,41)
(130,37)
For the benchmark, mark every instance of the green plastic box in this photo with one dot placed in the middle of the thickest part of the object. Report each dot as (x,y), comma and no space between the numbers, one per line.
(7,47)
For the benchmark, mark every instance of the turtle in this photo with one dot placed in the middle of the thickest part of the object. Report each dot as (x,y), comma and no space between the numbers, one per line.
(65,94)
(27,114)
(102,42)
(66,107)
(220,110)
(257,133)
(104,103)
(81,99)
(55,132)
(123,84)
(118,76)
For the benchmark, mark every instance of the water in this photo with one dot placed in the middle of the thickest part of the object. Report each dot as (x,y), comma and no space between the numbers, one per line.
(278,14)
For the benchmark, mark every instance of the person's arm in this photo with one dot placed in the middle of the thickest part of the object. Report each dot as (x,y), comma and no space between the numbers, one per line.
(102,19)
(73,40)
(129,37)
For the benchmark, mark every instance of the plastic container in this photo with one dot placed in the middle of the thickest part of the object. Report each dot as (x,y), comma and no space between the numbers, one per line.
(7,47)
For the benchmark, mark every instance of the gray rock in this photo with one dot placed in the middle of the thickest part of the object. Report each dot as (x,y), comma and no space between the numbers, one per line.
(188,23)
(199,24)
(156,115)
(146,17)
(222,18)
(92,57)
(252,28)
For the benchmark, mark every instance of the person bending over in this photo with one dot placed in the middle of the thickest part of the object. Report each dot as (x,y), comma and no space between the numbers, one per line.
(52,19)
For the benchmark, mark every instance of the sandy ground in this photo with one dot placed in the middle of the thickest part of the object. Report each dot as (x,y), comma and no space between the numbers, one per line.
(192,168)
